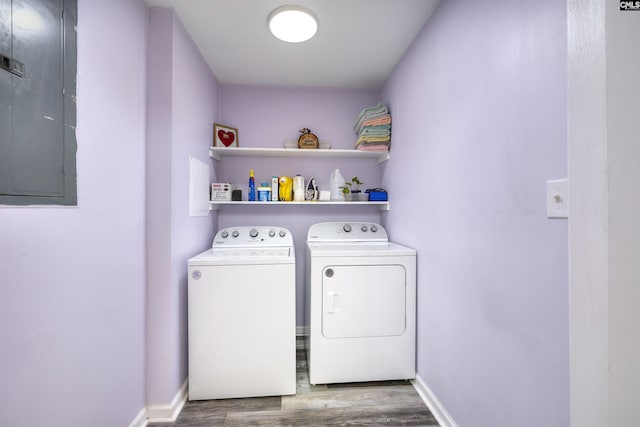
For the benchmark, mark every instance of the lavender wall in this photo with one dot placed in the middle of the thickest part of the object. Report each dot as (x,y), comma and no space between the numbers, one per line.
(479,110)
(72,280)
(182,102)
(266,117)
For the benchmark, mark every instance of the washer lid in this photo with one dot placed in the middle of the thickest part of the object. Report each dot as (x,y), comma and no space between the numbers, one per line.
(244,256)
(356,249)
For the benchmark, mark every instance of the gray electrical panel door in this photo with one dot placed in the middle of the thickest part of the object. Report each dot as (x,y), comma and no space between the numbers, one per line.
(37,90)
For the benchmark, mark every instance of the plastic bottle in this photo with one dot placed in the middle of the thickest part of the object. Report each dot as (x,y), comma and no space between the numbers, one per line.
(274,188)
(252,187)
(336,183)
(298,188)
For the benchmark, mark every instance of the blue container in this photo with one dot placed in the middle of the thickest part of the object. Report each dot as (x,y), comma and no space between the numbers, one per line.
(378,195)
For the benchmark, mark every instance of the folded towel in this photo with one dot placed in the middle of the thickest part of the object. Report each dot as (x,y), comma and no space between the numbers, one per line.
(368,143)
(373,144)
(383,120)
(376,130)
(365,138)
(373,148)
(375,134)
(369,113)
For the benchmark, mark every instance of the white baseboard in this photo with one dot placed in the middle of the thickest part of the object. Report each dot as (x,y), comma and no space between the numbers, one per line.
(140,420)
(157,413)
(432,402)
(301,332)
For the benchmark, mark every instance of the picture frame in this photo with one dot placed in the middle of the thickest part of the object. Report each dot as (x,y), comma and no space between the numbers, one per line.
(224,136)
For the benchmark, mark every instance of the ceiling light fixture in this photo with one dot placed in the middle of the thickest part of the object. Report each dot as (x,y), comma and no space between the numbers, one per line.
(293,24)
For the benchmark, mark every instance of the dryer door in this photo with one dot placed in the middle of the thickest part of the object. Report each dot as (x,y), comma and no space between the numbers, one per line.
(363,301)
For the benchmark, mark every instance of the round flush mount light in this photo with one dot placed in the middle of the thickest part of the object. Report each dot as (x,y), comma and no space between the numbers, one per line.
(293,24)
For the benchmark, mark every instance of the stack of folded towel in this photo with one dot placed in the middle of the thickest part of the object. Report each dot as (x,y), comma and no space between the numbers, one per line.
(373,127)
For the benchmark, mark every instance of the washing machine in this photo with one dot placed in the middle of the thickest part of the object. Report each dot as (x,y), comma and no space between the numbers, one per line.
(360,304)
(242,315)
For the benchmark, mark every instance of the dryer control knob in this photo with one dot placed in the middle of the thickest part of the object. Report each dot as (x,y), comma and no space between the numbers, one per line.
(272,233)
(253,232)
(282,233)
(347,227)
(364,228)
(374,228)
(235,233)
(224,234)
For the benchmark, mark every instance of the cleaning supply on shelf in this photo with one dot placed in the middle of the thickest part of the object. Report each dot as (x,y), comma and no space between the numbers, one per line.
(336,184)
(285,189)
(264,192)
(252,187)
(298,188)
(274,188)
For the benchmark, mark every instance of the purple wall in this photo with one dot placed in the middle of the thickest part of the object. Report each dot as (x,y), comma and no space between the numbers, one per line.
(266,117)
(182,103)
(72,280)
(479,125)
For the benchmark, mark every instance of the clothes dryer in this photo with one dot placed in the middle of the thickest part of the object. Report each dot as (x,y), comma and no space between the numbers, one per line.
(360,304)
(242,326)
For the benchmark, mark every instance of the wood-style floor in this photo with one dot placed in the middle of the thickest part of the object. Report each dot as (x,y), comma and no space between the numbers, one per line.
(390,403)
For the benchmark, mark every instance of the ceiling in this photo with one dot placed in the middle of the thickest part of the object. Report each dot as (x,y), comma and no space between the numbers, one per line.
(357,44)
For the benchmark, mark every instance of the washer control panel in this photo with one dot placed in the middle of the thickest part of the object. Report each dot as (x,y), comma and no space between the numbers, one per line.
(257,236)
(347,232)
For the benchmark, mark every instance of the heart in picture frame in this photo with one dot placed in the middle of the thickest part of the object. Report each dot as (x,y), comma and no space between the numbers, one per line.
(224,136)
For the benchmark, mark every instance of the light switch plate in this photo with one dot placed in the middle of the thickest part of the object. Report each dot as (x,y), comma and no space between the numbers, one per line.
(558,198)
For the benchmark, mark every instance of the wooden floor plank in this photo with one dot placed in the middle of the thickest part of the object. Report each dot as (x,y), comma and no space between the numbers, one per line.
(392,403)
(345,416)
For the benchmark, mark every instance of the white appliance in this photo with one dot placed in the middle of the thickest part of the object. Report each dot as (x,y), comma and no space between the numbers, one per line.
(360,304)
(242,326)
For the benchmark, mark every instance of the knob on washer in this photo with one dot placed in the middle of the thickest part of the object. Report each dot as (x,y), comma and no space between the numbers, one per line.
(253,232)
(272,233)
(225,234)
(364,228)
(374,228)
(346,227)
(282,233)
(235,233)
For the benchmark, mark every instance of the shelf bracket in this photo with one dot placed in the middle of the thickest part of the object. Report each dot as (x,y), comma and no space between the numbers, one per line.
(214,155)
(383,158)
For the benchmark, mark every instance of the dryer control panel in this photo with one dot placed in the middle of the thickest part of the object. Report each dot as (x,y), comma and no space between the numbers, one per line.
(347,232)
(256,236)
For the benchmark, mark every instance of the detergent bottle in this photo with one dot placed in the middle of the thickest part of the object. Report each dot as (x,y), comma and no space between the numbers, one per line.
(285,188)
(252,187)
(336,184)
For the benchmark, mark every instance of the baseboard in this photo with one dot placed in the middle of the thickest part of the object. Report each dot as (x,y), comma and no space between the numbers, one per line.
(163,413)
(301,332)
(141,419)
(432,402)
